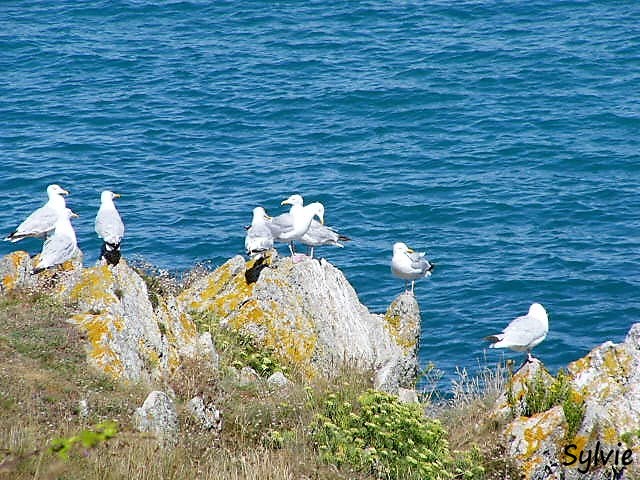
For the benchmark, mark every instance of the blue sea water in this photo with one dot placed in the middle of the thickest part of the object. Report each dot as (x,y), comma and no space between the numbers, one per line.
(500,136)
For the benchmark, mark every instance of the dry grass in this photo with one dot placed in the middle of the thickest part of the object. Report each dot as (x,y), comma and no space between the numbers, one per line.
(265,435)
(467,416)
(44,376)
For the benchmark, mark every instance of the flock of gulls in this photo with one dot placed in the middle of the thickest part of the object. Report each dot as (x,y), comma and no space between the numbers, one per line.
(52,222)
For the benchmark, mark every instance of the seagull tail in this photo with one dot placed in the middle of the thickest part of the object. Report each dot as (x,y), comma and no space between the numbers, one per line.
(13,237)
(111,253)
(343,238)
(494,339)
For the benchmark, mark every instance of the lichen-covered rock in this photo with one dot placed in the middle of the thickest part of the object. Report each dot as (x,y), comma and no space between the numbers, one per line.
(127,338)
(606,383)
(16,273)
(158,416)
(207,415)
(278,381)
(310,316)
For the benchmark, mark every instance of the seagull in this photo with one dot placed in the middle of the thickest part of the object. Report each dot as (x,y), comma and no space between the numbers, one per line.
(109,227)
(259,238)
(61,246)
(409,265)
(523,333)
(292,226)
(42,221)
(318,234)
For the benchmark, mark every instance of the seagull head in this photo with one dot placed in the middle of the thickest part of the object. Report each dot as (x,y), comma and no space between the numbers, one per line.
(318,210)
(108,195)
(56,189)
(400,248)
(260,213)
(293,200)
(537,311)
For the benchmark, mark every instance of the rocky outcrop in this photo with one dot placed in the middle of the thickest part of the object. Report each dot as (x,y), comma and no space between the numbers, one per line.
(310,316)
(16,273)
(158,416)
(306,312)
(606,385)
(127,337)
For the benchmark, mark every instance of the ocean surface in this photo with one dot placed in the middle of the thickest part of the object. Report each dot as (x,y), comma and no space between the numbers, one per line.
(502,137)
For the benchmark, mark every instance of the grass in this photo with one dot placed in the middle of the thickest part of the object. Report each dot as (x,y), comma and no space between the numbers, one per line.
(266,434)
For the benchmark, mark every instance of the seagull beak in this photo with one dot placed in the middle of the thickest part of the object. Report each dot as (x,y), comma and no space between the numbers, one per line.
(74,215)
(64,192)
(267,217)
(322,220)
(410,250)
(285,202)
(116,195)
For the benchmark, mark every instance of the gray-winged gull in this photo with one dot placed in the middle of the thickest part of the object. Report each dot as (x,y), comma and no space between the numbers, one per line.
(42,221)
(318,234)
(259,238)
(61,246)
(523,333)
(109,227)
(292,226)
(409,265)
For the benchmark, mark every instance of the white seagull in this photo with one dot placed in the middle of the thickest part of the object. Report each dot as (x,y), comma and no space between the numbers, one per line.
(259,238)
(109,228)
(61,246)
(318,234)
(409,265)
(523,333)
(292,226)
(42,221)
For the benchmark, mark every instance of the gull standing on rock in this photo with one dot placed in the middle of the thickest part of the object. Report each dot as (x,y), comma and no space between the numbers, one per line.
(409,265)
(43,220)
(61,246)
(523,333)
(318,234)
(292,226)
(259,238)
(109,227)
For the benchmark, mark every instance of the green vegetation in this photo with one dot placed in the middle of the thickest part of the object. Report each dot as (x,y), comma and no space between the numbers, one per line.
(542,394)
(387,438)
(325,429)
(89,438)
(237,349)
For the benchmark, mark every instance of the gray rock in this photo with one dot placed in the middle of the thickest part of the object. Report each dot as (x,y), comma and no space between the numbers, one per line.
(16,273)
(311,317)
(158,417)
(278,381)
(209,417)
(607,381)
(127,338)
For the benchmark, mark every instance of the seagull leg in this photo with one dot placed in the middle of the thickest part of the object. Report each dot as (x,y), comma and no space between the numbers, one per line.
(412,282)
(292,249)
(311,254)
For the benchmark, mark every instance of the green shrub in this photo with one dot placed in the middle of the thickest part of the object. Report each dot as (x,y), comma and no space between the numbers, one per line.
(540,397)
(238,349)
(387,438)
(87,439)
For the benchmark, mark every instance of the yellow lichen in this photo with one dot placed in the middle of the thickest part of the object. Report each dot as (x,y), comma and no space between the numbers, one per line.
(393,324)
(616,362)
(98,335)
(94,286)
